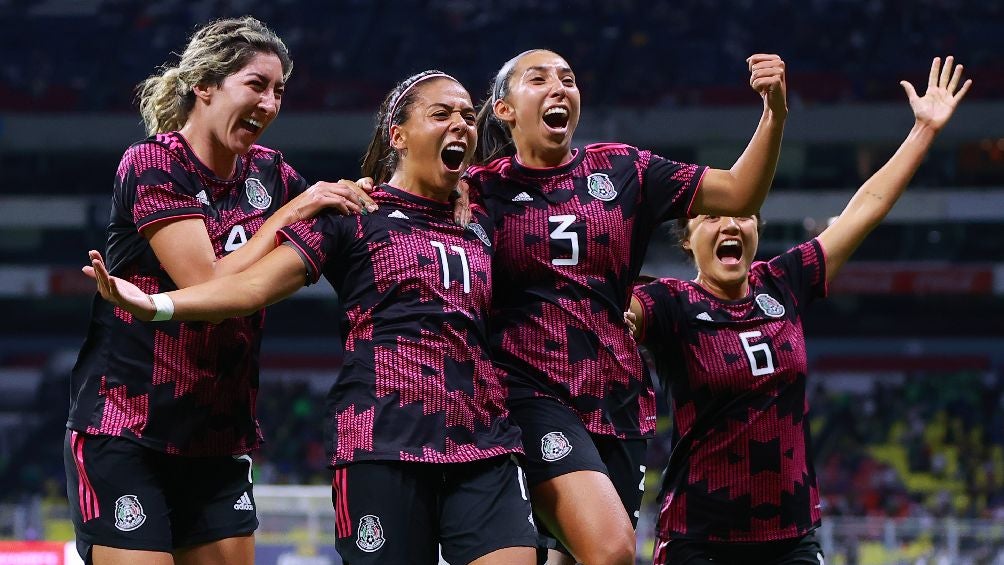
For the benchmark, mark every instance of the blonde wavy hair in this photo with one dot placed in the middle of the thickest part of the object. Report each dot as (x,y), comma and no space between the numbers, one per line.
(214,52)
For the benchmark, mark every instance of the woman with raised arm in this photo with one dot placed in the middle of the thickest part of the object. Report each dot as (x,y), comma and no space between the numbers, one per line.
(162,417)
(573,226)
(740,485)
(418,432)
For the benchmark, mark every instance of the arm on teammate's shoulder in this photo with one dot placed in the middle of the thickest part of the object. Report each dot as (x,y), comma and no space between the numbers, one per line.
(184,248)
(876,197)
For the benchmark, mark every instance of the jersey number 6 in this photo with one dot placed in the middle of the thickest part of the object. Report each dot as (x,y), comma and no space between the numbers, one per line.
(767,358)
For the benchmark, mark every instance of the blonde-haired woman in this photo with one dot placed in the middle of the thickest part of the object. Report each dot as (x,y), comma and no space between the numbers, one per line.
(162,417)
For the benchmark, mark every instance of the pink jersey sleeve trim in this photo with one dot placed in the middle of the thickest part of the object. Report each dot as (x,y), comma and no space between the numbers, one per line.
(143,225)
(647,308)
(693,197)
(315,273)
(823,266)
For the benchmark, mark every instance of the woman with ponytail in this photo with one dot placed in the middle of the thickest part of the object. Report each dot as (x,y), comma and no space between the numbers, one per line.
(417,430)
(162,416)
(573,226)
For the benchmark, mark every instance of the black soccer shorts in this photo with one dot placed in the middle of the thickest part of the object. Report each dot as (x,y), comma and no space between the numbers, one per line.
(797,551)
(556,443)
(127,496)
(393,512)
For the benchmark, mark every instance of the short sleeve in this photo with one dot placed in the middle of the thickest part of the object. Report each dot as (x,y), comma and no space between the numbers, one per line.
(669,187)
(317,240)
(658,304)
(153,186)
(803,269)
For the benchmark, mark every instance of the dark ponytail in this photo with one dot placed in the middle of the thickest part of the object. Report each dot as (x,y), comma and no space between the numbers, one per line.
(381,158)
(494,135)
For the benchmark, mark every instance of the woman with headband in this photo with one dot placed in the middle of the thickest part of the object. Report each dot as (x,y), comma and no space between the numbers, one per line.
(417,430)
(572,227)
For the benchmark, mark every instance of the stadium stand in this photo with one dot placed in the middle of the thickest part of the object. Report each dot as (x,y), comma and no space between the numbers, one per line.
(906,362)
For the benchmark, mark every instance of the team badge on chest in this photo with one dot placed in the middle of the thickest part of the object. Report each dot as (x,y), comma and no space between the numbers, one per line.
(257,195)
(480,232)
(370,535)
(601,187)
(770,305)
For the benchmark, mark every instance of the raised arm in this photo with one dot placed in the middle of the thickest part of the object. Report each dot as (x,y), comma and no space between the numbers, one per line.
(741,190)
(184,248)
(276,276)
(870,204)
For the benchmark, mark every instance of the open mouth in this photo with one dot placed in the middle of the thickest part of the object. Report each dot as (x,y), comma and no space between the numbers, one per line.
(556,118)
(453,156)
(730,252)
(252,125)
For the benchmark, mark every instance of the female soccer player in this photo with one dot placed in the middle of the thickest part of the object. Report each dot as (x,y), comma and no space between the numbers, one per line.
(573,226)
(740,486)
(162,416)
(418,432)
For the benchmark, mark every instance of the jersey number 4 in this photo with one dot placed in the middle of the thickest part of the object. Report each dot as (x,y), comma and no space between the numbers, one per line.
(237,238)
(760,356)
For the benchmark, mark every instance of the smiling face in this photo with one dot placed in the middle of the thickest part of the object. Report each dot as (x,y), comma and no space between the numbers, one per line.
(437,139)
(723,248)
(239,109)
(541,108)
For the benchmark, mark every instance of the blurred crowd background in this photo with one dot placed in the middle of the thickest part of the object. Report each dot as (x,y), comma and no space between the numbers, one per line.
(906,356)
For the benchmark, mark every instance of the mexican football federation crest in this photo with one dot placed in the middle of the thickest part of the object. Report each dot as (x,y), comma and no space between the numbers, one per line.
(770,305)
(554,446)
(257,195)
(601,187)
(480,232)
(370,538)
(128,513)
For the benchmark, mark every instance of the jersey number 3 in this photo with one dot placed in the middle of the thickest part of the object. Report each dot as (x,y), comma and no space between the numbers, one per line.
(760,357)
(561,232)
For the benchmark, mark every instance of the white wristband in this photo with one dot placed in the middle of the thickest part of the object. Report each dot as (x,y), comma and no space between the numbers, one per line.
(164,305)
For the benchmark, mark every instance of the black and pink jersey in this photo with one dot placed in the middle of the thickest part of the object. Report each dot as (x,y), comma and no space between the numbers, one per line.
(185,388)
(571,240)
(741,468)
(417,383)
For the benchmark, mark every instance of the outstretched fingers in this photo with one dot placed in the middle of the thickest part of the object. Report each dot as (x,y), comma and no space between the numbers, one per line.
(911,93)
(932,77)
(962,91)
(946,72)
(99,273)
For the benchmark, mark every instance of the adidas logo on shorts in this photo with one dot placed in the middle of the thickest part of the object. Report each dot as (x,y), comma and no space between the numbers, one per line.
(244,502)
(522,197)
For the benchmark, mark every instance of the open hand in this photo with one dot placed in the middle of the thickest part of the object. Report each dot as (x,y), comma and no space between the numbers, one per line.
(119,292)
(942,96)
